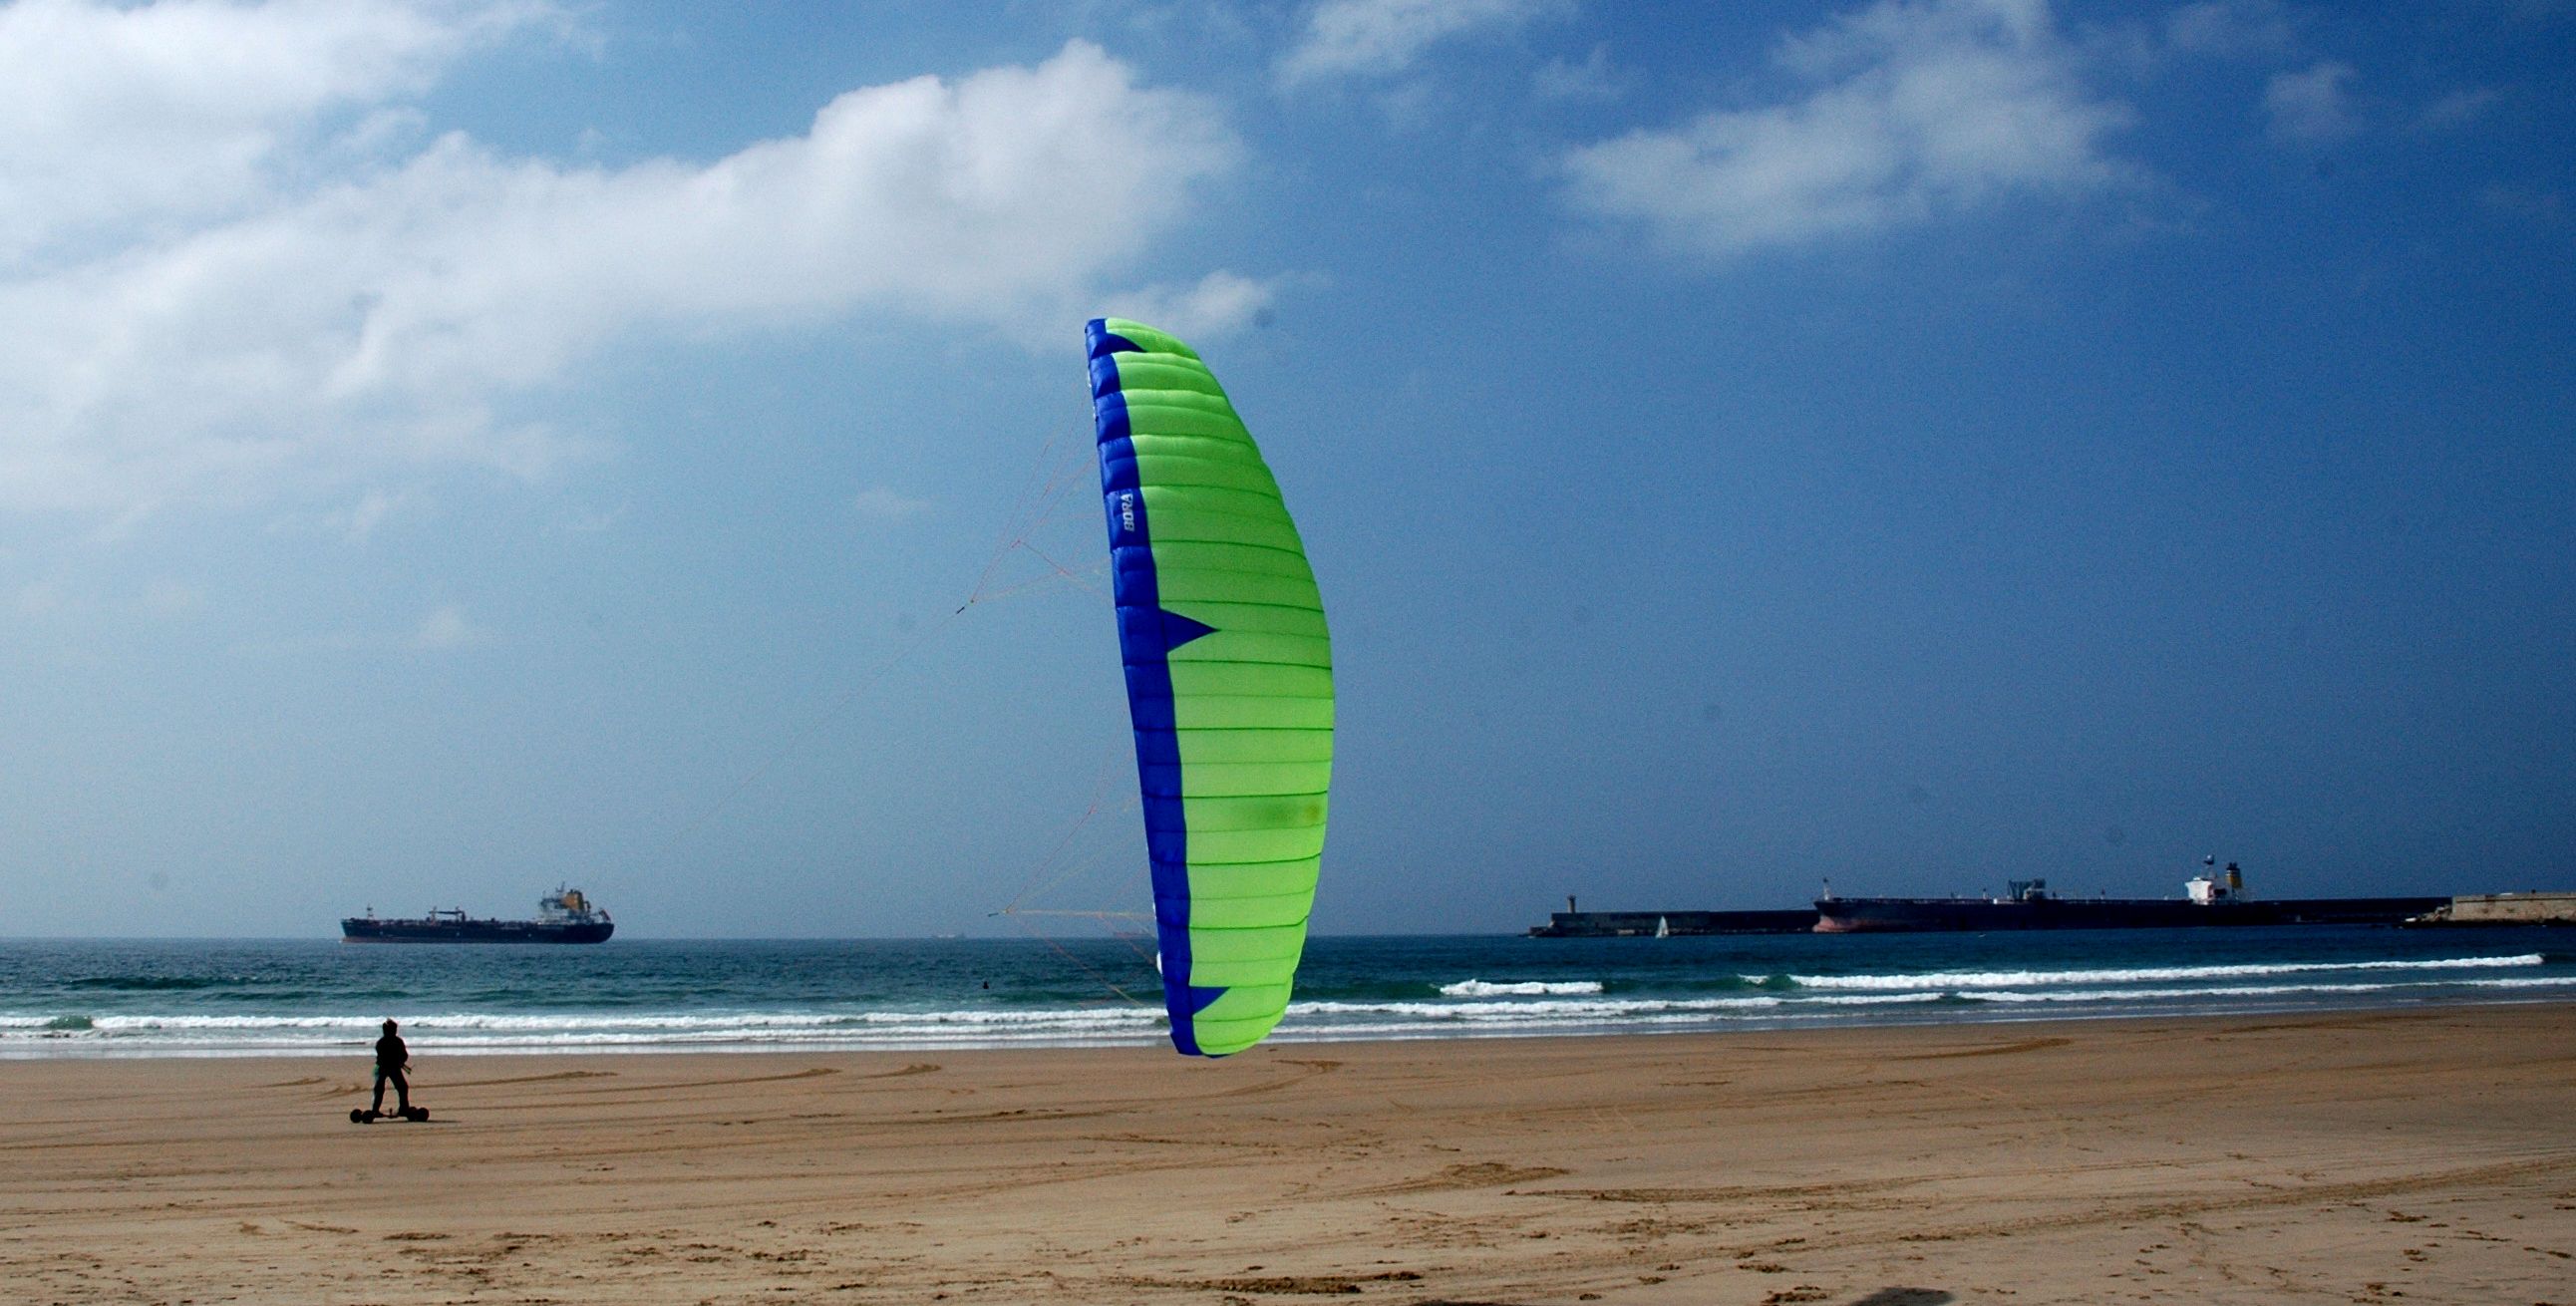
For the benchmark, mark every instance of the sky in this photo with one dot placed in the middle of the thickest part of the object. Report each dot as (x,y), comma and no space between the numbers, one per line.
(452,447)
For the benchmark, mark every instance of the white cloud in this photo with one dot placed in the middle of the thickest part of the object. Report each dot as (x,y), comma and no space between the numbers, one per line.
(1219,304)
(2313,106)
(1377,38)
(124,120)
(1905,112)
(387,317)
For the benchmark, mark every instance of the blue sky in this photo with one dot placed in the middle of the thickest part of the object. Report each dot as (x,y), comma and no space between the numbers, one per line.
(449,448)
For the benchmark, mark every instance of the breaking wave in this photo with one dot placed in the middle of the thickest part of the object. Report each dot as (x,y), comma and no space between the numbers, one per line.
(1520,989)
(2149,974)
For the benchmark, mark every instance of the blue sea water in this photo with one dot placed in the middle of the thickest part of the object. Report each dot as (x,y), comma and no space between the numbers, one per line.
(210,997)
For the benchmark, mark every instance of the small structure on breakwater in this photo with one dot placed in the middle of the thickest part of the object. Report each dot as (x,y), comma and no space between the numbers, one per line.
(2534,907)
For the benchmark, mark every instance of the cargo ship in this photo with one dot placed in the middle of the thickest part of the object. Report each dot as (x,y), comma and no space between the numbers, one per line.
(564,916)
(2209,900)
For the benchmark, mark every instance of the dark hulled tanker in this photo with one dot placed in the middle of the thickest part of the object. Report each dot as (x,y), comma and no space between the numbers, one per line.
(2211,901)
(564,916)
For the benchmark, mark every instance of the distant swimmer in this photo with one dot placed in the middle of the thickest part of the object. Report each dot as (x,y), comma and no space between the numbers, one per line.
(392,1058)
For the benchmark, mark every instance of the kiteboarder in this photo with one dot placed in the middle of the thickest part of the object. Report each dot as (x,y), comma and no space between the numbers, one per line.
(392,1058)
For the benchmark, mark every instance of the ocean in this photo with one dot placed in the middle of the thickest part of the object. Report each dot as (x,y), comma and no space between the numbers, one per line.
(62,998)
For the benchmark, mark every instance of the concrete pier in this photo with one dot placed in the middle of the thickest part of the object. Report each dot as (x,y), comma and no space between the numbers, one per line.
(2538,907)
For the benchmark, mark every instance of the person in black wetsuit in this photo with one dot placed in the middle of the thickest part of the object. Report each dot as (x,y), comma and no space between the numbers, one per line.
(392,1058)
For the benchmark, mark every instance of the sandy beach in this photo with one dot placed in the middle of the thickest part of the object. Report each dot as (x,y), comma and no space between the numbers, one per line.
(2419,1156)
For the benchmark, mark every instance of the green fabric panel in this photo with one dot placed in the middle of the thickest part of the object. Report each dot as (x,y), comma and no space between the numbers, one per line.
(1231,846)
(1246,951)
(1262,679)
(1189,585)
(1250,813)
(1227,746)
(1182,504)
(1211,779)
(1263,529)
(1191,427)
(1228,555)
(1246,913)
(1258,646)
(1233,711)
(1255,879)
(1219,514)
(1146,372)
(1203,467)
(1234,974)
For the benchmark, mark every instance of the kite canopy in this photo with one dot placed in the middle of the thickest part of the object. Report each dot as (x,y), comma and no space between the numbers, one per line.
(1229,684)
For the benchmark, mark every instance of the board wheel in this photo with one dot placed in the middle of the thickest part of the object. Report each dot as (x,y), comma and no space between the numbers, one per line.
(416,1114)
(359,1115)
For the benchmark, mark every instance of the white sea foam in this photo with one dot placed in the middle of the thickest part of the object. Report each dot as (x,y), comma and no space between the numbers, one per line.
(2257,990)
(1476,988)
(498,1032)
(430,1025)
(2146,974)
(1592,1010)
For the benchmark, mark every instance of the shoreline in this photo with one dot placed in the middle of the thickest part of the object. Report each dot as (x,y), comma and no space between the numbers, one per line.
(117,1003)
(70,1047)
(2340,1155)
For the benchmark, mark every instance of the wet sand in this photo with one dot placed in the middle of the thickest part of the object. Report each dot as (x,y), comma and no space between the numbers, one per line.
(2401,1157)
